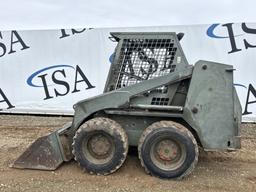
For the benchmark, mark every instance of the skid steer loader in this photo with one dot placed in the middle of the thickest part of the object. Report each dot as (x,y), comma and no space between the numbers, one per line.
(153,99)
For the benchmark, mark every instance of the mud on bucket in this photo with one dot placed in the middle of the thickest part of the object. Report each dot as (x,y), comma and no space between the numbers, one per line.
(46,153)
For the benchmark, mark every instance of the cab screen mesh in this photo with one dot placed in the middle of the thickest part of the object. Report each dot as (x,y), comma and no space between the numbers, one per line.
(143,59)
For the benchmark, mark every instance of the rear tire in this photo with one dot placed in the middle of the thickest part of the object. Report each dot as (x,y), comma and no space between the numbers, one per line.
(100,146)
(168,150)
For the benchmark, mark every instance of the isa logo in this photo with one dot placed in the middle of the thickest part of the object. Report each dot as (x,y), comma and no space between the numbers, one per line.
(229,34)
(59,80)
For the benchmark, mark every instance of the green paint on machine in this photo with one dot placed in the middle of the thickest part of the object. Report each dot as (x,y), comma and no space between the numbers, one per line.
(155,100)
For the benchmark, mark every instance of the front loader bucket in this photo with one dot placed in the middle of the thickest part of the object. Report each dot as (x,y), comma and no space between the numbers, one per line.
(46,153)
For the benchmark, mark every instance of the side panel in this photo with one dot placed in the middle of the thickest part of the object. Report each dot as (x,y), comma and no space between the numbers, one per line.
(237,120)
(134,125)
(209,107)
(85,108)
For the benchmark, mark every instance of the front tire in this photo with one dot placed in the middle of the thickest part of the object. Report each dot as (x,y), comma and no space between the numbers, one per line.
(168,150)
(100,146)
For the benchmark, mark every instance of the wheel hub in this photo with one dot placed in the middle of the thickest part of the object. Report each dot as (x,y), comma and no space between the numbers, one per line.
(99,145)
(167,150)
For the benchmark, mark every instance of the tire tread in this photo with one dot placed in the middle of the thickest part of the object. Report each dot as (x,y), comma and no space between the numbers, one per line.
(161,124)
(97,124)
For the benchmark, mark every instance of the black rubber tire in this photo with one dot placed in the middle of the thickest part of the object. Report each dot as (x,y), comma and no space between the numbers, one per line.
(175,131)
(116,133)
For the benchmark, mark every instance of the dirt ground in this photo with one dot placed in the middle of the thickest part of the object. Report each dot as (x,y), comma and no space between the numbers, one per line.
(216,171)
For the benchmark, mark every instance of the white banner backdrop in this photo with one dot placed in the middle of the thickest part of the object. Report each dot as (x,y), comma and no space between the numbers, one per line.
(47,71)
